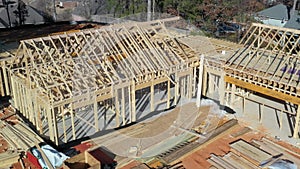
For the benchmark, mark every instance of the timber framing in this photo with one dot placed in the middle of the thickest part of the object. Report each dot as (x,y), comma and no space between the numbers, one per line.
(270,58)
(268,63)
(5,59)
(54,77)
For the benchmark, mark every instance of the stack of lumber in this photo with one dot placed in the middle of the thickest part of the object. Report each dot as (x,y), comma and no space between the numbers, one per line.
(251,153)
(19,136)
(258,154)
(9,157)
(16,137)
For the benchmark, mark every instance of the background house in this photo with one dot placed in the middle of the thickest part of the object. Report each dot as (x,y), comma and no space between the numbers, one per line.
(18,13)
(280,15)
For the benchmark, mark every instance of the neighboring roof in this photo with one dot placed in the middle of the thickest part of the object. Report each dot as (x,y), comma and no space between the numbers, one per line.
(280,12)
(294,22)
(3,22)
(33,17)
(276,12)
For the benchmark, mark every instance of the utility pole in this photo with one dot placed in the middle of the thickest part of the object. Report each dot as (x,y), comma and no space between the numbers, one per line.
(7,11)
(19,12)
(54,11)
(153,9)
(149,10)
(294,8)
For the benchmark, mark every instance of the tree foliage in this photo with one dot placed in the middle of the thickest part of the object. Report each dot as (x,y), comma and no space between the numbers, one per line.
(197,11)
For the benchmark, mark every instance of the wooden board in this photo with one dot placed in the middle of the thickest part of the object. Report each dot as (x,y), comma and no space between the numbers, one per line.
(263,90)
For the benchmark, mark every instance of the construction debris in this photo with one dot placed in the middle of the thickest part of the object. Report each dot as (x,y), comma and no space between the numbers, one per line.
(233,147)
(173,156)
(236,148)
(16,138)
(19,136)
(262,153)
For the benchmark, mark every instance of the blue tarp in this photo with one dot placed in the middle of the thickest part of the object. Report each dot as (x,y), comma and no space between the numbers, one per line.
(56,158)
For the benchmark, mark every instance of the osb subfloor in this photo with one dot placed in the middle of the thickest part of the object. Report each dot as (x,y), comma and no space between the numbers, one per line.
(180,116)
(154,127)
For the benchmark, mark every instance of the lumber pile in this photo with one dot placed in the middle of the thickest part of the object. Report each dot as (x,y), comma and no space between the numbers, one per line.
(257,154)
(184,148)
(19,136)
(16,137)
(9,157)
(250,153)
(7,112)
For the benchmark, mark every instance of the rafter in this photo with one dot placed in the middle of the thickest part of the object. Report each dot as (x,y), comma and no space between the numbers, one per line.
(64,65)
(270,57)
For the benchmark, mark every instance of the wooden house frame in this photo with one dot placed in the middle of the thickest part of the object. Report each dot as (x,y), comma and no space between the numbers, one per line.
(269,63)
(51,77)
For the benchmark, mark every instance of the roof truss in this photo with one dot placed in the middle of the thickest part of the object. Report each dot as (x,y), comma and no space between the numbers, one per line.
(67,65)
(269,54)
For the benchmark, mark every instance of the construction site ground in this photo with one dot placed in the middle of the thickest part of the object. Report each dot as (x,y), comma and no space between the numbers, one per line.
(266,118)
(157,134)
(220,146)
(187,136)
